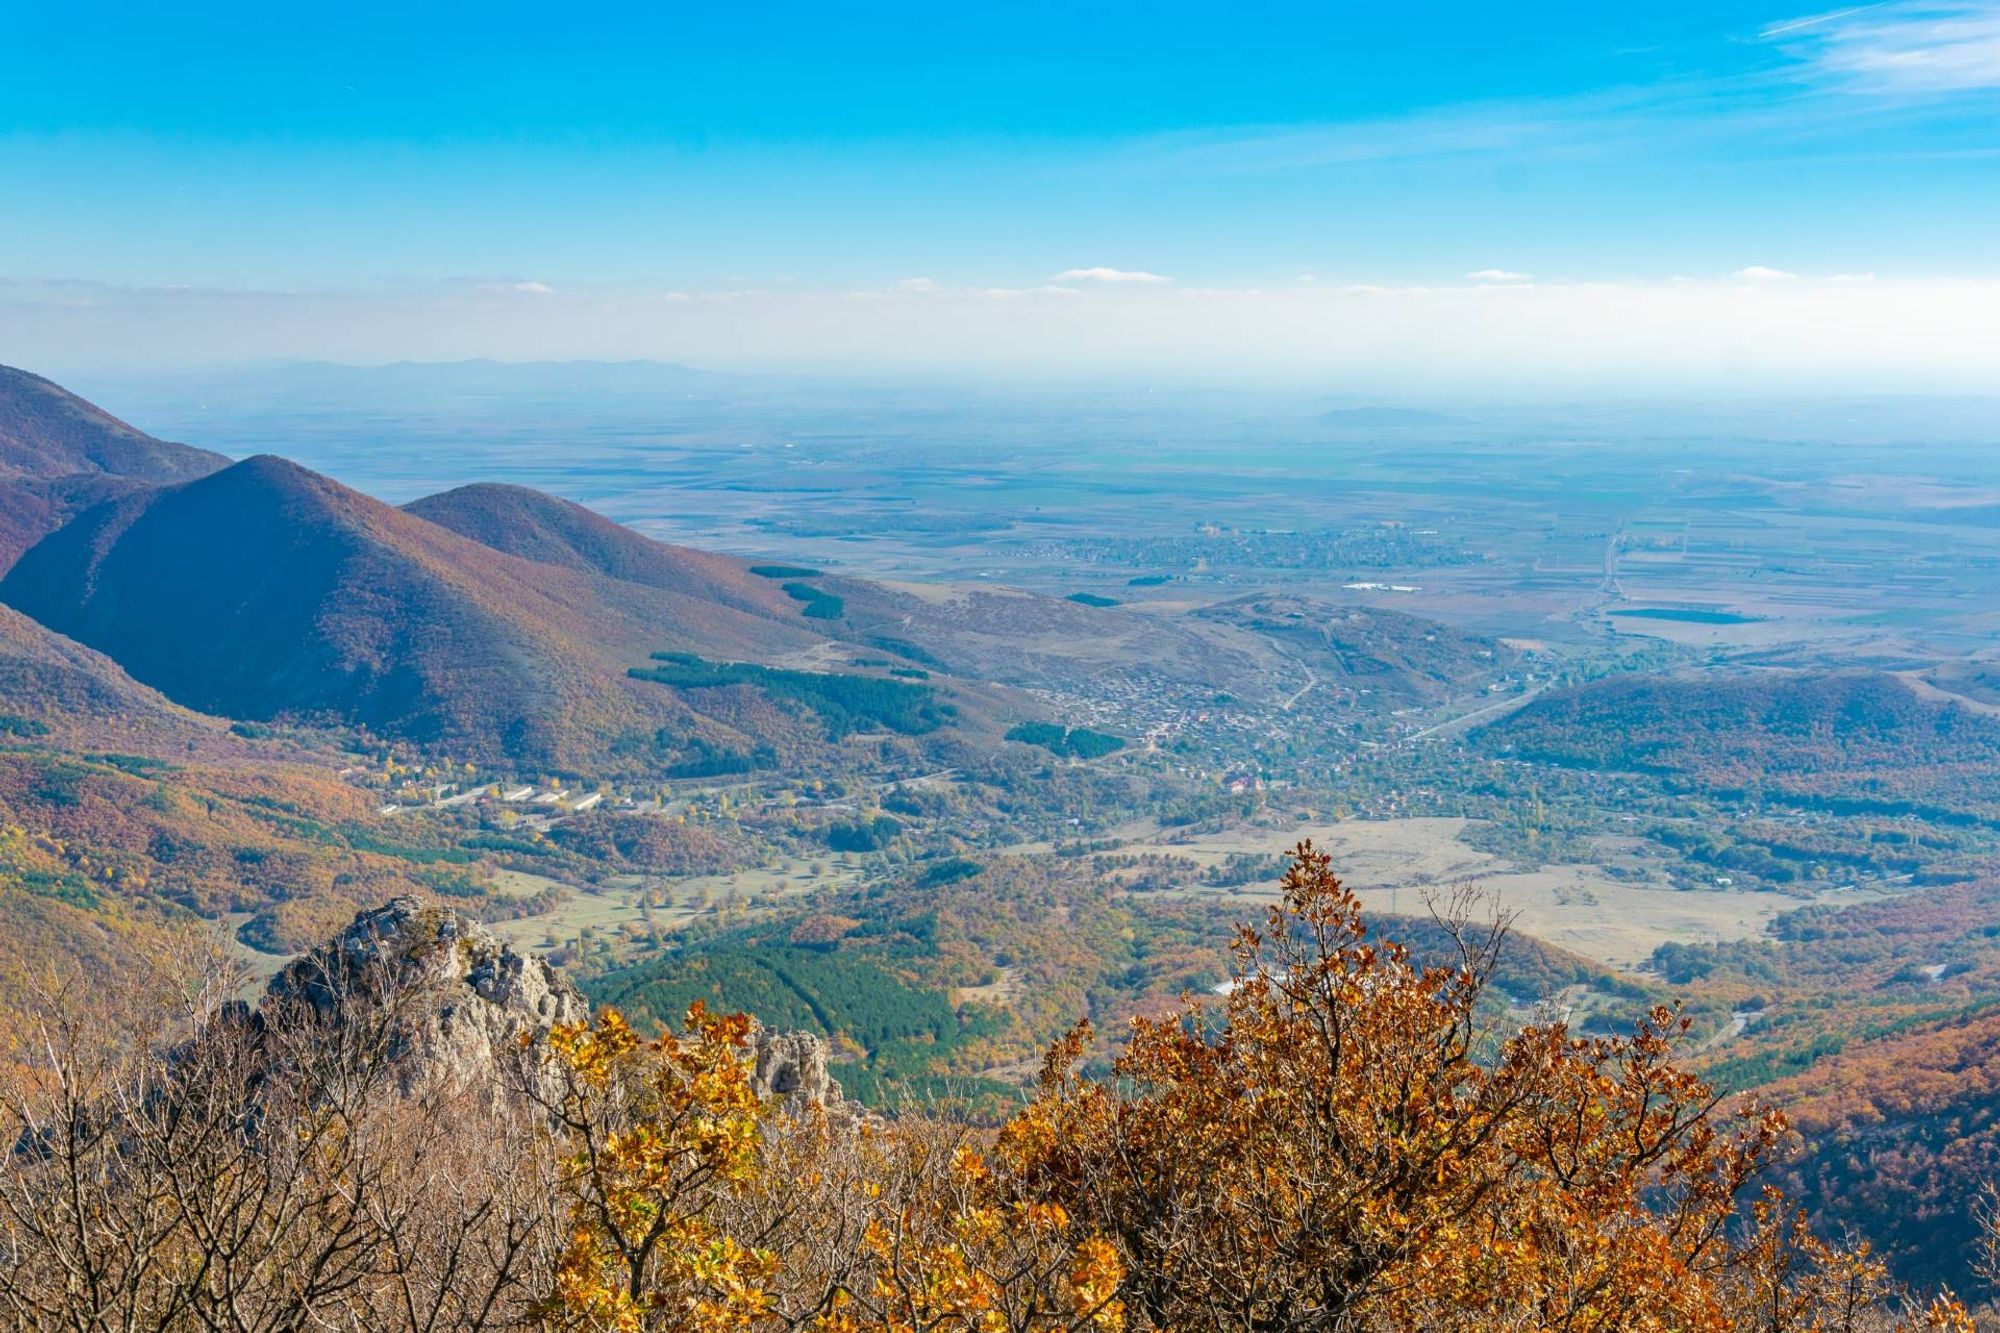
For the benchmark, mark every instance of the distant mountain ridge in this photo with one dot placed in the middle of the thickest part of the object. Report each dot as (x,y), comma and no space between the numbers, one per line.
(494,622)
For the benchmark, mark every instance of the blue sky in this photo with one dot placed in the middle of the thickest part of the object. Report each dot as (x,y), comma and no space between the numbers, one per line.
(219,180)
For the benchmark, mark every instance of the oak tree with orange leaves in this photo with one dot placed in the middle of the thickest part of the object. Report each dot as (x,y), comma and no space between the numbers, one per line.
(1337,1146)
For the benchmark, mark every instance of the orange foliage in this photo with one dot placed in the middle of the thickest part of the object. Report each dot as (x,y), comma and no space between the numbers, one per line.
(1337,1146)
(1329,1152)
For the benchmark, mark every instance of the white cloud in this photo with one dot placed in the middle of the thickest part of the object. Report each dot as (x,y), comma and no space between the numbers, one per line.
(535,288)
(1909,47)
(918,285)
(1815,20)
(1759,273)
(1013,293)
(1498,275)
(1108,275)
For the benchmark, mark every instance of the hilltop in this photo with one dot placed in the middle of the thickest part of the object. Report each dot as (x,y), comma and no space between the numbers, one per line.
(46,431)
(1399,655)
(59,455)
(266,591)
(551,531)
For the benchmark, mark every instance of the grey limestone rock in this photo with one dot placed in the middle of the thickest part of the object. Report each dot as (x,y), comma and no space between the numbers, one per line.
(458,1004)
(793,1065)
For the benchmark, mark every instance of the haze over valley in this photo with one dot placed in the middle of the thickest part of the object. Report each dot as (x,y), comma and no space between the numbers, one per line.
(1661,711)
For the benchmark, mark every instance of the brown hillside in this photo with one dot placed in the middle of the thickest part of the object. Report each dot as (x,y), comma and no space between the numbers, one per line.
(1895,1134)
(1876,1033)
(268,591)
(553,531)
(33,507)
(47,431)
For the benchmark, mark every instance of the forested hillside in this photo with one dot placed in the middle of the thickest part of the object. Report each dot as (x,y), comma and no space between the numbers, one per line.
(1850,741)
(1873,1027)
(1896,1136)
(48,432)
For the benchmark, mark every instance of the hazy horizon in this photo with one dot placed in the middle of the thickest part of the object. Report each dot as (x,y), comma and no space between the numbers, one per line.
(1445,199)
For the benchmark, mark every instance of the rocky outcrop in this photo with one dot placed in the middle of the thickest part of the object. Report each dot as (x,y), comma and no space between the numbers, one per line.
(793,1065)
(457,1004)
(455,1000)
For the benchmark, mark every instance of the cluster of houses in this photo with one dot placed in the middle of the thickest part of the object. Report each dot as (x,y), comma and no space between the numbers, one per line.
(447,795)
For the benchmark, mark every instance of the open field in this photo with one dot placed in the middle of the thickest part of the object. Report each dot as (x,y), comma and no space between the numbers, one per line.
(1401,865)
(258,967)
(619,906)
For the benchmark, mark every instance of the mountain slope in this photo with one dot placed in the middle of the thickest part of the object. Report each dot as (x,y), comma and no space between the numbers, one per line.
(55,690)
(552,531)
(33,507)
(1893,1132)
(47,431)
(267,591)
(59,455)
(1865,740)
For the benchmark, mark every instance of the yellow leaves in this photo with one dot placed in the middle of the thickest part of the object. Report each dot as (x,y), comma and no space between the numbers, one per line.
(1944,1315)
(1324,1150)
(1094,1278)
(661,1134)
(584,1297)
(970,1167)
(593,1051)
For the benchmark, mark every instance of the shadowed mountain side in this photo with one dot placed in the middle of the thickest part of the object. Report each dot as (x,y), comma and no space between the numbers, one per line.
(47,431)
(33,507)
(60,692)
(268,591)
